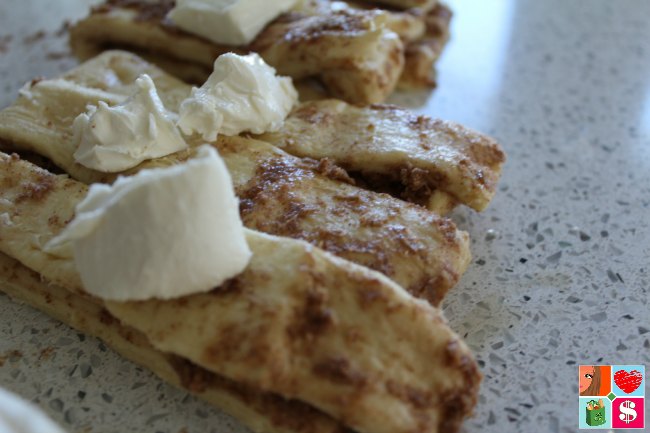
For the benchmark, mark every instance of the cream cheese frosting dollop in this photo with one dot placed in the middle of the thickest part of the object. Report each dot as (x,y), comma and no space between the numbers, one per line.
(243,94)
(20,416)
(229,22)
(162,233)
(112,139)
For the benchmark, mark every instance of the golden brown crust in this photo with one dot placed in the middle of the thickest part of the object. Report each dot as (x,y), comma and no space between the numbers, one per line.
(260,411)
(146,10)
(391,150)
(281,194)
(422,54)
(350,51)
(301,344)
(297,322)
(33,195)
(141,27)
(356,58)
(286,196)
(409,24)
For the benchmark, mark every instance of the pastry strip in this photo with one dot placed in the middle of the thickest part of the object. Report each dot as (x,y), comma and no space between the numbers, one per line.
(259,411)
(422,54)
(351,51)
(297,322)
(392,149)
(423,32)
(280,194)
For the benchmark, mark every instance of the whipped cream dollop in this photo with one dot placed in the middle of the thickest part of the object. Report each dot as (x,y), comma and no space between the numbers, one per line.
(19,416)
(229,22)
(112,139)
(162,233)
(243,94)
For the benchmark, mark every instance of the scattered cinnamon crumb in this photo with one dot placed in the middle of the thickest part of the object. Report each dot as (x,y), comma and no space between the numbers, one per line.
(36,80)
(36,190)
(34,37)
(46,353)
(9,355)
(4,43)
(64,29)
(57,55)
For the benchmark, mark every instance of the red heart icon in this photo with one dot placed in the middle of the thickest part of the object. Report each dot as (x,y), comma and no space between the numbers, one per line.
(628,382)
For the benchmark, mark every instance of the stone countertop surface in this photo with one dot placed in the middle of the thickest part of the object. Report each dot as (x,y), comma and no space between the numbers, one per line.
(561,258)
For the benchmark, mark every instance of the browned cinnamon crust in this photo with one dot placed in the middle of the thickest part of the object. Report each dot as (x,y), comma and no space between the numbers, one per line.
(288,196)
(392,150)
(292,415)
(421,55)
(298,322)
(350,51)
(355,60)
(280,194)
(260,411)
(423,30)
(147,10)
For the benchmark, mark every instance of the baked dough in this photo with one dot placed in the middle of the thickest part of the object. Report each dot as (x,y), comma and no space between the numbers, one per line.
(280,194)
(259,411)
(414,156)
(422,54)
(302,340)
(351,52)
(298,322)
(356,51)
(424,30)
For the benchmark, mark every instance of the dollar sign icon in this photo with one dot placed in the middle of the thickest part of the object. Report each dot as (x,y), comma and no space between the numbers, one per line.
(628,414)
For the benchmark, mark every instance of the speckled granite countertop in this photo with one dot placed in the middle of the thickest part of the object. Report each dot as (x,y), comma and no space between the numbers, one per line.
(561,257)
